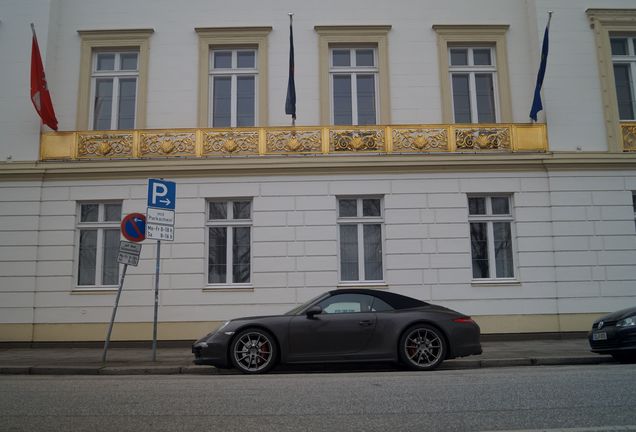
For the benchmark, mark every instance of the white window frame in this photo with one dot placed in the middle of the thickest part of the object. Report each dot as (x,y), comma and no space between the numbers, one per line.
(234,72)
(489,218)
(228,224)
(353,71)
(116,74)
(360,221)
(471,69)
(100,226)
(630,60)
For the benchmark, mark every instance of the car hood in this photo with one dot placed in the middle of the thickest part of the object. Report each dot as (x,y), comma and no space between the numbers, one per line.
(618,315)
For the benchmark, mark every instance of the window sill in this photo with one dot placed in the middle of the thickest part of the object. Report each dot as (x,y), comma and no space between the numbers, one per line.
(95,290)
(362,284)
(495,282)
(228,288)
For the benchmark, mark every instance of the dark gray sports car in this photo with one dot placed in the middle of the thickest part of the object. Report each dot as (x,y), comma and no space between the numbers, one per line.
(345,325)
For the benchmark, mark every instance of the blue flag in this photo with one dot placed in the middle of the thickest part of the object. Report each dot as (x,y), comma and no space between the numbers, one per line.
(537,105)
(290,102)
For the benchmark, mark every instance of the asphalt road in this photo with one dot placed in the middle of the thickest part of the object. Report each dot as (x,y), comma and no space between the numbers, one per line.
(589,398)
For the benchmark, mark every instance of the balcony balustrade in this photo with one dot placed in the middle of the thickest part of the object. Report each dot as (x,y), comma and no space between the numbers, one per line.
(309,140)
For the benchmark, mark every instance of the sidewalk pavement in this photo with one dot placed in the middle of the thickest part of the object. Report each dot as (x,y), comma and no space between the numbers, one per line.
(62,359)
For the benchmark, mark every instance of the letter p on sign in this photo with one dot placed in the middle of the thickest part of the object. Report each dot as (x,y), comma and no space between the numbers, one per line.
(161,194)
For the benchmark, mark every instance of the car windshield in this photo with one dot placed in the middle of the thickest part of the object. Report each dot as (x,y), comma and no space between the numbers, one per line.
(299,308)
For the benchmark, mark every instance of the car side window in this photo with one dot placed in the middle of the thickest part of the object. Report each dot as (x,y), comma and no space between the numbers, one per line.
(353,303)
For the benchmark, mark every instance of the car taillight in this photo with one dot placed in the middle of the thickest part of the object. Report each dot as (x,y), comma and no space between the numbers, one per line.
(464,320)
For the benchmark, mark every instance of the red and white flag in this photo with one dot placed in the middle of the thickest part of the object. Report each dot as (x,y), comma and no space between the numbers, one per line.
(39,91)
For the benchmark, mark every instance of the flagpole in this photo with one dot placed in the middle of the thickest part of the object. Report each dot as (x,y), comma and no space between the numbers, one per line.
(291,23)
(290,103)
(33,30)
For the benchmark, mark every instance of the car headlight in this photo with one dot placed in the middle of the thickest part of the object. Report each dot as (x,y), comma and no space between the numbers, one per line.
(222,326)
(627,322)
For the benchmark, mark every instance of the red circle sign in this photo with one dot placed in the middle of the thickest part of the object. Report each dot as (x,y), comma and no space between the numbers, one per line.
(133,227)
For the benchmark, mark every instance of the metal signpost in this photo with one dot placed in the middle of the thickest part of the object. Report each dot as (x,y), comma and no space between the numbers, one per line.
(160,226)
(133,227)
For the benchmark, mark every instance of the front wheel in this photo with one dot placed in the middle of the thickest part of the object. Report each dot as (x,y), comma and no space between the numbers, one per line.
(422,347)
(253,351)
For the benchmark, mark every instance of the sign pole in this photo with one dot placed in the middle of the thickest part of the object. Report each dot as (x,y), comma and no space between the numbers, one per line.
(112,319)
(154,325)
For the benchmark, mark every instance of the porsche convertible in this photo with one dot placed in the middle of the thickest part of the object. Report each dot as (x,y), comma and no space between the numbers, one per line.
(345,325)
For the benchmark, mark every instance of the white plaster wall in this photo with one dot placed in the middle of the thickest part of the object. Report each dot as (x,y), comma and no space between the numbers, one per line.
(572,101)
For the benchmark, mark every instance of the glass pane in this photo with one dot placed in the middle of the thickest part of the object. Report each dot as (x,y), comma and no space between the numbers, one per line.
(341,57)
(349,252)
(103,104)
(371,207)
(364,57)
(380,306)
(110,266)
(458,56)
(246,59)
(222,59)
(218,210)
(461,98)
(503,249)
(477,206)
(342,114)
(241,255)
(366,99)
(347,208)
(485,98)
(619,46)
(105,62)
(481,57)
(624,91)
(242,209)
(87,257)
(500,205)
(112,212)
(372,252)
(245,103)
(89,212)
(217,255)
(347,303)
(222,103)
(127,98)
(129,61)
(479,249)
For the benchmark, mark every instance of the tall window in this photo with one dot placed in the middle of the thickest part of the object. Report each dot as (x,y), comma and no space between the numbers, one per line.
(490,219)
(473,77)
(98,232)
(229,242)
(624,62)
(114,89)
(233,81)
(354,86)
(360,228)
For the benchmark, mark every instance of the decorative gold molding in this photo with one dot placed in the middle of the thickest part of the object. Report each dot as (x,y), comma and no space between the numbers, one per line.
(629,136)
(603,23)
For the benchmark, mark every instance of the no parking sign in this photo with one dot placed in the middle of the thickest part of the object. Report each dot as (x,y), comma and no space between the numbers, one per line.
(133,227)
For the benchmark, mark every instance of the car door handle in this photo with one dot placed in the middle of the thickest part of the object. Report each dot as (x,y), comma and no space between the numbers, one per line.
(366,323)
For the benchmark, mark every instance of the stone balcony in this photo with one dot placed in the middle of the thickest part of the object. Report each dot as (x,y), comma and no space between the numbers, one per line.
(304,140)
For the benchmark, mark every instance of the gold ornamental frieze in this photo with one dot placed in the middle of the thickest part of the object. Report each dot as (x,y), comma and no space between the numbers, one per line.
(407,140)
(356,140)
(479,139)
(229,142)
(107,146)
(629,137)
(154,144)
(294,141)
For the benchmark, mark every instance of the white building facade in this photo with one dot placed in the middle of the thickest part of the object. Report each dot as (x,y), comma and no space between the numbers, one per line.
(411,168)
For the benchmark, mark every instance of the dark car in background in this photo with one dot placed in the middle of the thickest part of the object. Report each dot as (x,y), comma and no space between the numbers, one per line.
(615,334)
(345,325)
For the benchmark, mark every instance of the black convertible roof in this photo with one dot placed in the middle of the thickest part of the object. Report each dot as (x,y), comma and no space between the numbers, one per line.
(397,301)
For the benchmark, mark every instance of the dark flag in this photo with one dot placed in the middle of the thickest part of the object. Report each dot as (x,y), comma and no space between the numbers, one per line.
(537,105)
(290,102)
(39,91)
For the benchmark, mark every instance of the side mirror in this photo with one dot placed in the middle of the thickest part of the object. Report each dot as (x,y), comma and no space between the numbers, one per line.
(312,311)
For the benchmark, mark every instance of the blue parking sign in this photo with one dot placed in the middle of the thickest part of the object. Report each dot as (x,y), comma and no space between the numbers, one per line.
(162,194)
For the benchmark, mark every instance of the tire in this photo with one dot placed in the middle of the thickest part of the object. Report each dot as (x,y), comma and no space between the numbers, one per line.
(422,347)
(625,357)
(253,351)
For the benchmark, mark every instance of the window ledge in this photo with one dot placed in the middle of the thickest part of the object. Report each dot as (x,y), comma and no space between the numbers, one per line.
(362,284)
(228,288)
(95,290)
(495,282)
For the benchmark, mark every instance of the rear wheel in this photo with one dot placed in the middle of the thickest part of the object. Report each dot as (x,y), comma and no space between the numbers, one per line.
(422,347)
(253,351)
